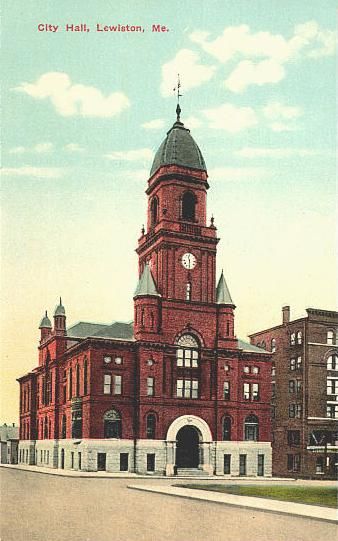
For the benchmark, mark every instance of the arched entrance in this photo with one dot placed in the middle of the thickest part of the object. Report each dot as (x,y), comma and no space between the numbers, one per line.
(187,448)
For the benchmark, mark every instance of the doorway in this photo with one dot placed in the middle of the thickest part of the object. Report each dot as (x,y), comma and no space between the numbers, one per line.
(101,461)
(187,448)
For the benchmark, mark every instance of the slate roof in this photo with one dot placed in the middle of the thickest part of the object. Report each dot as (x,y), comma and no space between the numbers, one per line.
(117,329)
(146,284)
(245,346)
(178,148)
(222,292)
(45,322)
(60,309)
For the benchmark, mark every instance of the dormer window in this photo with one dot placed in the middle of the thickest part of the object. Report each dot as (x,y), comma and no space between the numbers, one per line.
(188,206)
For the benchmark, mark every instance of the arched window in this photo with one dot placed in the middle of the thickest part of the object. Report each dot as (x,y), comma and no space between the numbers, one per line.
(85,377)
(142,318)
(299,337)
(46,429)
(293,339)
(77,380)
(330,338)
(251,428)
(50,428)
(188,206)
(187,354)
(332,362)
(263,346)
(151,320)
(64,427)
(151,426)
(226,429)
(273,345)
(112,424)
(70,373)
(154,211)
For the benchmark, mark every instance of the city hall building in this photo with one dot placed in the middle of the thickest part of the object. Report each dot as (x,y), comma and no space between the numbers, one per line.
(174,392)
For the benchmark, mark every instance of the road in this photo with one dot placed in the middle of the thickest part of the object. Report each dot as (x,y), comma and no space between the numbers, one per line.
(38,507)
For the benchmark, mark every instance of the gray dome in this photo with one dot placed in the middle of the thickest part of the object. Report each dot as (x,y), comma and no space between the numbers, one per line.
(45,322)
(178,148)
(60,310)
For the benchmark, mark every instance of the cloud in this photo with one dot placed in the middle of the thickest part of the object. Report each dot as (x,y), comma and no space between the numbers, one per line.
(237,173)
(71,99)
(74,147)
(141,154)
(276,110)
(155,124)
(187,63)
(264,54)
(249,73)
(256,152)
(35,172)
(230,118)
(39,148)
(192,122)
(281,126)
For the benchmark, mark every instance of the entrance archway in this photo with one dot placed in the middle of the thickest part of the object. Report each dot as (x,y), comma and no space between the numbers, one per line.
(187,448)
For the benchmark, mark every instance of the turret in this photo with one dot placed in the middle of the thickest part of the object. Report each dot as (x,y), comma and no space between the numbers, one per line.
(147,307)
(60,319)
(225,314)
(45,327)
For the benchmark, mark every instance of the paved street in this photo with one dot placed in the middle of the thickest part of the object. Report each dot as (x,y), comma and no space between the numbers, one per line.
(39,507)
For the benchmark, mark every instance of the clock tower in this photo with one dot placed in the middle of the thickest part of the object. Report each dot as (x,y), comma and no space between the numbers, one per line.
(177,252)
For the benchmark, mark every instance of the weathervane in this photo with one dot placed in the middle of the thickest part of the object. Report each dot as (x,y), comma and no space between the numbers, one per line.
(177,89)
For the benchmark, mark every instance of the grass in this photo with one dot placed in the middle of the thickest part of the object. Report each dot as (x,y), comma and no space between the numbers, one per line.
(324,496)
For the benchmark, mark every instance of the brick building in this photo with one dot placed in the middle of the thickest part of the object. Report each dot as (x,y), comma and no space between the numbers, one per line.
(174,390)
(305,393)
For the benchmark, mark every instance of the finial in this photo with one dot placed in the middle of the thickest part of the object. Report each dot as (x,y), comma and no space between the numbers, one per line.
(212,220)
(177,89)
(60,301)
(142,230)
(46,313)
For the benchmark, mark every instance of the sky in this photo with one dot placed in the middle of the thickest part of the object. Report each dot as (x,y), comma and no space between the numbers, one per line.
(83,114)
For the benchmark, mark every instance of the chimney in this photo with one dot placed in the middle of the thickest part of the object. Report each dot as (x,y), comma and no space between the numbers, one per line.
(286,314)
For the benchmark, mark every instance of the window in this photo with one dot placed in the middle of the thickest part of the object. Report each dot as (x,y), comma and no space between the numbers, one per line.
(124,461)
(246,369)
(332,363)
(72,460)
(299,363)
(187,388)
(298,386)
(85,377)
(226,429)
(154,211)
(292,364)
(79,458)
(242,464)
(273,371)
(150,386)
(112,424)
(255,370)
(77,380)
(295,411)
(299,337)
(63,427)
(188,291)
(332,411)
(273,345)
(332,386)
(330,338)
(77,423)
(118,360)
(70,383)
(227,464)
(151,426)
(187,354)
(117,384)
(251,428)
(226,390)
(107,384)
(251,391)
(293,437)
(188,206)
(292,386)
(293,462)
(260,465)
(293,339)
(263,345)
(273,394)
(46,429)
(320,465)
(150,462)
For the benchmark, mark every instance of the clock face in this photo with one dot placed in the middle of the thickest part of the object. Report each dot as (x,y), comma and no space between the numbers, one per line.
(189,261)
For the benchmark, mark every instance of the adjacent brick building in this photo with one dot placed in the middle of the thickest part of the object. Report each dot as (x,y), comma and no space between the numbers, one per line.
(305,393)
(173,391)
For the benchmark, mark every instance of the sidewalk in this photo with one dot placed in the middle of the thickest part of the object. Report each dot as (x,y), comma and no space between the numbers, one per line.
(126,475)
(272,506)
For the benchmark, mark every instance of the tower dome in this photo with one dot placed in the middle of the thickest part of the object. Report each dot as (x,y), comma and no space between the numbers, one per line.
(178,148)
(45,322)
(60,309)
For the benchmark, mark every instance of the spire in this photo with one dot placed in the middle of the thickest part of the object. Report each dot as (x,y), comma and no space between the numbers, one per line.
(146,284)
(177,90)
(222,292)
(45,322)
(60,309)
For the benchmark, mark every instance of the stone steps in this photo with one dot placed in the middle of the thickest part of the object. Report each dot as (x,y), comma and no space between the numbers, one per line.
(190,472)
